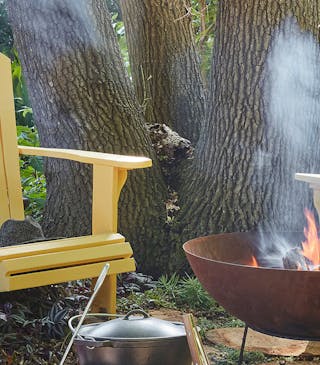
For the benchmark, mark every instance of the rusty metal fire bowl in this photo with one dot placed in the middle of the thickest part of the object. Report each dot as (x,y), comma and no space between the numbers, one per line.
(279,302)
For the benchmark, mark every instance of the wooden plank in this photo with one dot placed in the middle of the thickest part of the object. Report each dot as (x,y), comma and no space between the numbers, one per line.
(107,302)
(65,244)
(193,346)
(198,354)
(4,199)
(316,200)
(314,183)
(310,178)
(41,278)
(107,159)
(66,258)
(104,199)
(8,141)
(107,184)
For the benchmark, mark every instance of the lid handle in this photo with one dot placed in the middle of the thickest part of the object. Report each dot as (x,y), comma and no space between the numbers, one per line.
(136,311)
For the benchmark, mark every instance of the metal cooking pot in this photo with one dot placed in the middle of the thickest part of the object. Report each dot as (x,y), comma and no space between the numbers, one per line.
(132,340)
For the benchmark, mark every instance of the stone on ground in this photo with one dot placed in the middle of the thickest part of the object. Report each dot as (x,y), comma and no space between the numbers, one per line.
(232,337)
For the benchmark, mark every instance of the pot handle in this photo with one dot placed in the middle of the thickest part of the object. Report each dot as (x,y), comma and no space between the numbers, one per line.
(90,315)
(136,311)
(92,344)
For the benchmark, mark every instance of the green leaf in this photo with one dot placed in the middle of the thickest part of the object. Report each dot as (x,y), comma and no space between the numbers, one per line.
(37,163)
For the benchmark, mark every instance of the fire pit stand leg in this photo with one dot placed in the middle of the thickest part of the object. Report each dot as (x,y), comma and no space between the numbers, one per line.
(245,332)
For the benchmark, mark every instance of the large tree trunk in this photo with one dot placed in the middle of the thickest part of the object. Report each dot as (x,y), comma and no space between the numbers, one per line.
(83,99)
(242,174)
(164,63)
(246,157)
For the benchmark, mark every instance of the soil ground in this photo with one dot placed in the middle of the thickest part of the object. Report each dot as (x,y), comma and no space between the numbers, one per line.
(278,351)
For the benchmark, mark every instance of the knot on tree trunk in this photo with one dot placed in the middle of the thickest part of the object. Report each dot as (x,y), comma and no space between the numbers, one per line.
(168,144)
(171,149)
(13,232)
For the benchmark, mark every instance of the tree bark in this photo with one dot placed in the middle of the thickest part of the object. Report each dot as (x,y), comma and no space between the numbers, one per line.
(164,63)
(83,99)
(242,175)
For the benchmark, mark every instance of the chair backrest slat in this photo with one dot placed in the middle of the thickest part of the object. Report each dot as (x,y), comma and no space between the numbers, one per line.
(11,204)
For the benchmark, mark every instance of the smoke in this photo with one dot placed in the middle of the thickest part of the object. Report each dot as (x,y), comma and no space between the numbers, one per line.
(293,87)
(292,106)
(271,249)
(52,25)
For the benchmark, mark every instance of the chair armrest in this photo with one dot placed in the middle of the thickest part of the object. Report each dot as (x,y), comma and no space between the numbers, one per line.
(314,184)
(313,179)
(95,158)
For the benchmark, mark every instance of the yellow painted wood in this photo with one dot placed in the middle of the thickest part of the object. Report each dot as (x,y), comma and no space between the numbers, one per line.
(107,159)
(314,183)
(50,262)
(107,185)
(63,245)
(122,178)
(310,178)
(104,199)
(41,278)
(66,258)
(316,199)
(106,300)
(8,141)
(4,199)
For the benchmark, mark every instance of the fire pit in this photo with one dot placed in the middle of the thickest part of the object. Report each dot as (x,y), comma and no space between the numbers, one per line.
(279,302)
(279,297)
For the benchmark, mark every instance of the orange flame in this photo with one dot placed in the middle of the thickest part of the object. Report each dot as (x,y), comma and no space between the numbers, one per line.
(253,262)
(311,245)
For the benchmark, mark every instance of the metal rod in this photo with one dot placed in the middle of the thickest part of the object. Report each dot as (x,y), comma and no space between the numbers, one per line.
(244,338)
(99,282)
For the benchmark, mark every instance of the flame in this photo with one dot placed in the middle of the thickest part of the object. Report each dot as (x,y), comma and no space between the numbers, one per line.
(311,245)
(253,262)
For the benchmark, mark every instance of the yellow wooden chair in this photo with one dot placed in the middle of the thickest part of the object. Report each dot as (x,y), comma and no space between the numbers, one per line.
(50,262)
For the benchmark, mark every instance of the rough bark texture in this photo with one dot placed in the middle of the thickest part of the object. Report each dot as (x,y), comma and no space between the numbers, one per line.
(83,99)
(242,174)
(164,63)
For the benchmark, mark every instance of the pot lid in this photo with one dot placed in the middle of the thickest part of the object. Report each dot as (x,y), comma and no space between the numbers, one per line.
(134,328)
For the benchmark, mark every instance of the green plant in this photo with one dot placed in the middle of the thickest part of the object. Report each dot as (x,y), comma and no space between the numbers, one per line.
(33,181)
(205,324)
(24,114)
(169,285)
(191,293)
(149,299)
(248,357)
(33,323)
(204,19)
(31,170)
(119,29)
(20,90)
(6,38)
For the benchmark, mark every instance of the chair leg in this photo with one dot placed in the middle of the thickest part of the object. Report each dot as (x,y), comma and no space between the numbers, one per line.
(105,301)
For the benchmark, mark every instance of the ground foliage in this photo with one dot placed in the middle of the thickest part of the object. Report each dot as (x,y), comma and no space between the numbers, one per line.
(34,321)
